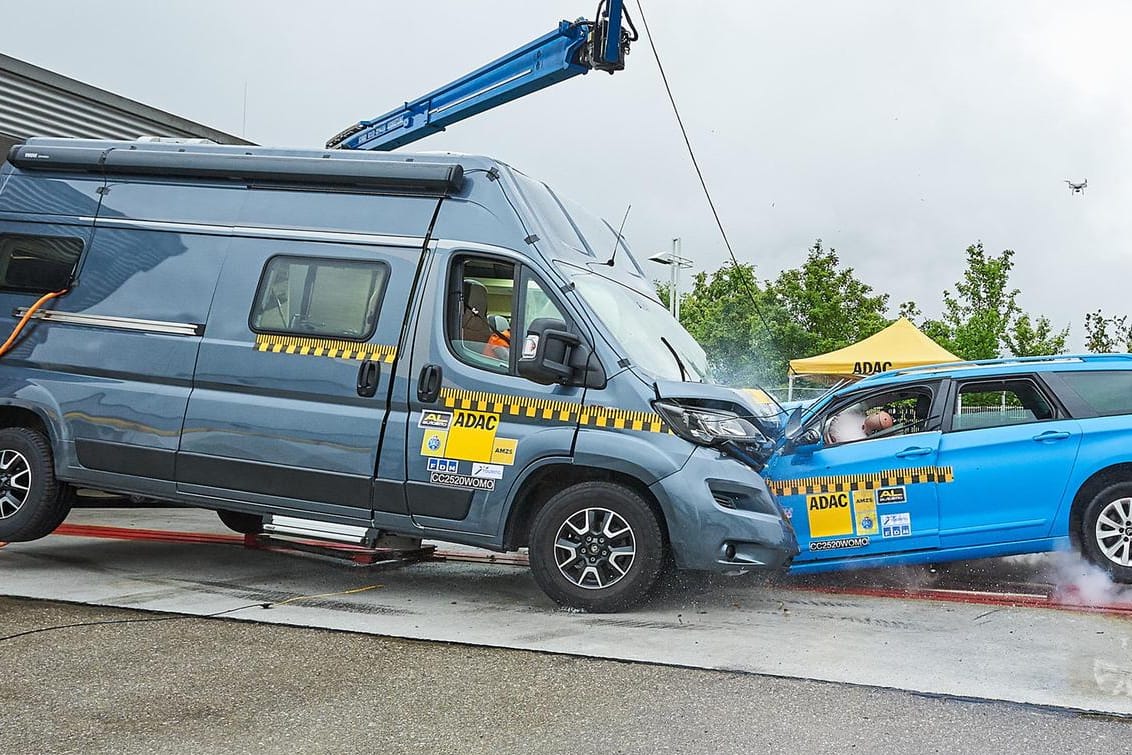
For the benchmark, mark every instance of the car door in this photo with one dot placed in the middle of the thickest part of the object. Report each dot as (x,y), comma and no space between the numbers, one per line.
(473,425)
(860,486)
(293,376)
(1012,448)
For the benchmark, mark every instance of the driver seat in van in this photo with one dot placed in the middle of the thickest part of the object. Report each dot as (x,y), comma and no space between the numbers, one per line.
(474,324)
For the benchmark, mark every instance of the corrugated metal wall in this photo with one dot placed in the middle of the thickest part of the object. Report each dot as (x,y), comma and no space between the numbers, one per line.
(37,102)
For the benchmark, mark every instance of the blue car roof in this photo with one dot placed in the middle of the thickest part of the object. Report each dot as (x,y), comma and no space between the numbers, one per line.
(1007,366)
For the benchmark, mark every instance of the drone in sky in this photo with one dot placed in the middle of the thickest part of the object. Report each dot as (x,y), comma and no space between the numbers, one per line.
(1077,188)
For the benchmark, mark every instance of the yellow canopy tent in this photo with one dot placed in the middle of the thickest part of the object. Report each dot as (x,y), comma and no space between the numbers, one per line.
(899,345)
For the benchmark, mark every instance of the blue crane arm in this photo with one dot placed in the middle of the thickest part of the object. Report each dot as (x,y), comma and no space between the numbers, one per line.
(570,50)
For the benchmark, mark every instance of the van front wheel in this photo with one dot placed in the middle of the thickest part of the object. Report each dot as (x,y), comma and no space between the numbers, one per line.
(32,503)
(597,546)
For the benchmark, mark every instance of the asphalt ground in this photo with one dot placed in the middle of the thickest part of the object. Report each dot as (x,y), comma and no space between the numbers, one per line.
(160,684)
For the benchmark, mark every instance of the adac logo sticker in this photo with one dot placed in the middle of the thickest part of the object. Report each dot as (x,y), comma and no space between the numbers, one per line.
(434,420)
(434,442)
(892,495)
(865,512)
(471,436)
(896,525)
(451,466)
(829,514)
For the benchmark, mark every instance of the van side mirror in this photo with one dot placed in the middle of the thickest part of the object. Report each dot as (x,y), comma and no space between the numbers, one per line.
(552,354)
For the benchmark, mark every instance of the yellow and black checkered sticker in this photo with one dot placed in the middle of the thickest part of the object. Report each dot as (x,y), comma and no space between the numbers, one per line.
(326,347)
(852,482)
(555,411)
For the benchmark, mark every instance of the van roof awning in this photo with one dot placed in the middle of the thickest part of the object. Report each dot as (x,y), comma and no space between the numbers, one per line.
(249,165)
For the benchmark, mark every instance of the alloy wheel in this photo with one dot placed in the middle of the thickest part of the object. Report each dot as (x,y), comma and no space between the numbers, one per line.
(1114,531)
(595,548)
(15,482)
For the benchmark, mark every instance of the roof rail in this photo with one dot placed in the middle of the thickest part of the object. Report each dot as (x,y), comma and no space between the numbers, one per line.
(1048,359)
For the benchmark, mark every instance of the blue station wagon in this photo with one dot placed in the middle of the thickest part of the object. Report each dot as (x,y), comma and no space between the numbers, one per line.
(962,461)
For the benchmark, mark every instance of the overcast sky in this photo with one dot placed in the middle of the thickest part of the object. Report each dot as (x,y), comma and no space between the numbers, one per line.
(897,132)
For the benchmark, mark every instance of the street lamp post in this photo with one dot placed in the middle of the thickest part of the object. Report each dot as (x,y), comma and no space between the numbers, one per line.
(675,263)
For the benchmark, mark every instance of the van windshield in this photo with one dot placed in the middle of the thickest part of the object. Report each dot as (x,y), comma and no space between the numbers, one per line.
(649,335)
(574,226)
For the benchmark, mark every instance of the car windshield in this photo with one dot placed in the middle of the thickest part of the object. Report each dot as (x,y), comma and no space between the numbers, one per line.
(650,336)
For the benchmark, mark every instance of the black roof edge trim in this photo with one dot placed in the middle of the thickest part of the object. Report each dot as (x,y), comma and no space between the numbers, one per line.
(416,177)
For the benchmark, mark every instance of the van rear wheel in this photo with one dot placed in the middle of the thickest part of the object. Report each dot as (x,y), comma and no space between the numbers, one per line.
(32,501)
(597,546)
(1106,531)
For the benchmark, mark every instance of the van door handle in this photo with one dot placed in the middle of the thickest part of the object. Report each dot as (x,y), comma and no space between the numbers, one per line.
(1051,435)
(369,375)
(428,387)
(914,451)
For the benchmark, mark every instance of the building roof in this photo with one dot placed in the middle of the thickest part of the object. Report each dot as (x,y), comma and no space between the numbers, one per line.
(38,102)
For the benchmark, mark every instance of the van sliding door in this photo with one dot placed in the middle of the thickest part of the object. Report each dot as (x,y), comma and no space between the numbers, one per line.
(293,378)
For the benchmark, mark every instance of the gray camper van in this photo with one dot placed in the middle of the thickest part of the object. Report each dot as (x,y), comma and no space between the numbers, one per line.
(349,345)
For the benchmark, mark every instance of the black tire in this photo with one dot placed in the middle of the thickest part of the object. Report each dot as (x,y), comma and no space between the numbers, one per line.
(606,580)
(1109,545)
(34,512)
(238,521)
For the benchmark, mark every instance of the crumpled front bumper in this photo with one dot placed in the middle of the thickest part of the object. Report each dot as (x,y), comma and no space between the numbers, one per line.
(721,517)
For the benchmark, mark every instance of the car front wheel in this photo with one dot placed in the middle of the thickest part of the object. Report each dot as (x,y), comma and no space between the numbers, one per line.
(597,546)
(1106,531)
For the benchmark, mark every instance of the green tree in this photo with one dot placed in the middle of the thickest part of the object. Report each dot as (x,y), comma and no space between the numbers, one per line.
(720,313)
(751,331)
(1033,339)
(982,319)
(979,313)
(1106,335)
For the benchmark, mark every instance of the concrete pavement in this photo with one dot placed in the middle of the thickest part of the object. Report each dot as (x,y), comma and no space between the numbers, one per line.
(1066,659)
(222,686)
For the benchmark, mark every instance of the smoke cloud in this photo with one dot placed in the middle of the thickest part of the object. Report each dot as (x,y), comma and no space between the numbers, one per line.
(1077,582)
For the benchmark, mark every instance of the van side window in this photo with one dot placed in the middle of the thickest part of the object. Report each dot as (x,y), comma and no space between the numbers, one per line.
(481,303)
(37,264)
(487,305)
(319,298)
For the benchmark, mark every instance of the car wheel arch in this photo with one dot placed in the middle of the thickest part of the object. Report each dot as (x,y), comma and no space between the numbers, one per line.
(1095,483)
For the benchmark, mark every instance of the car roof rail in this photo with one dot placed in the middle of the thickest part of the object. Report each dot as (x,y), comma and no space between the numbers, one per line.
(1006,361)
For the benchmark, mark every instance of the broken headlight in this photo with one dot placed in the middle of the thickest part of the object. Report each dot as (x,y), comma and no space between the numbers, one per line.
(708,427)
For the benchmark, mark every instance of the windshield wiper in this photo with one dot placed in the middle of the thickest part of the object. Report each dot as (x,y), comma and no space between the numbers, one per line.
(683,372)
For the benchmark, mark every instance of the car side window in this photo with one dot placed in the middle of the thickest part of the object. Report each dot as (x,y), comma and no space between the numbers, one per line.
(1107,392)
(897,412)
(319,297)
(488,301)
(998,403)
